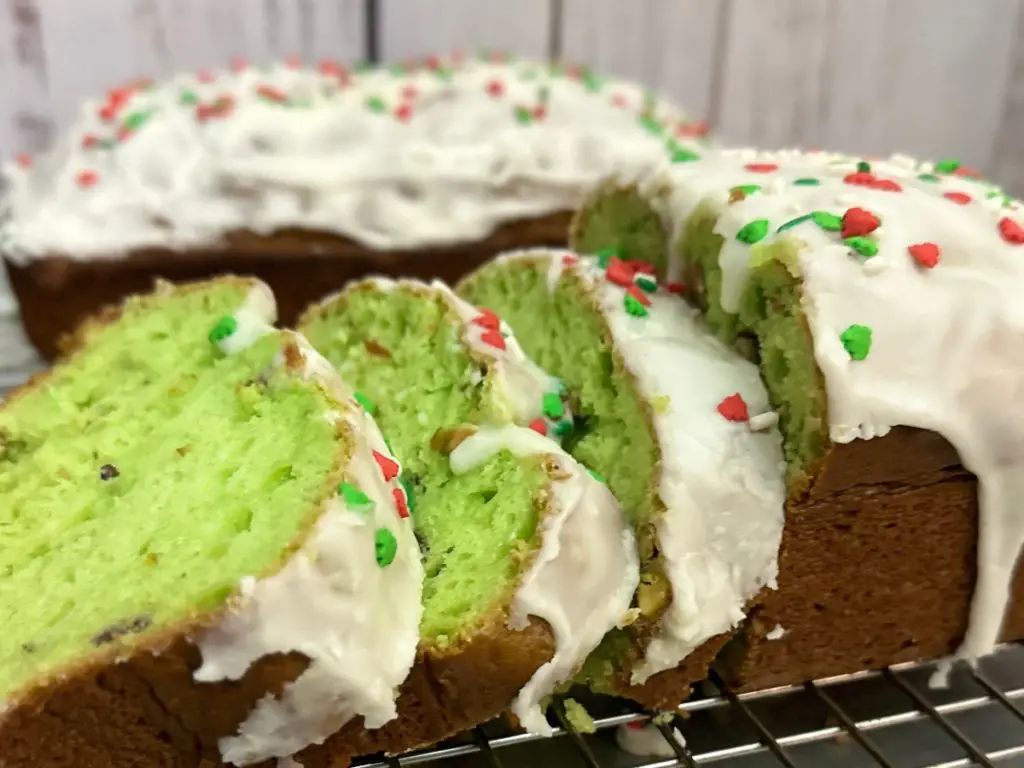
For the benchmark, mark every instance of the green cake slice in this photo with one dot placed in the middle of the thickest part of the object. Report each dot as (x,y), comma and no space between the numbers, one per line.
(528,558)
(680,426)
(206,552)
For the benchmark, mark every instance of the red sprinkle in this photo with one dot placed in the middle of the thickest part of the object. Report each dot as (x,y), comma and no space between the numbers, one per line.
(409,92)
(334,69)
(23,160)
(694,130)
(269,92)
(401,504)
(676,288)
(570,259)
(388,467)
(89,141)
(1011,231)
(493,338)
(108,113)
(87,178)
(540,426)
(293,61)
(619,272)
(204,77)
(638,294)
(859,222)
(487,319)
(967,173)
(734,408)
(925,254)
(539,112)
(124,133)
(238,63)
(495,88)
(618,100)
(960,198)
(403,113)
(641,266)
(887,185)
(636,725)
(761,167)
(432,62)
(861,179)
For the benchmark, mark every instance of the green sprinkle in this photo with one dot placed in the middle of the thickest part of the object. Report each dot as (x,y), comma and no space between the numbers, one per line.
(385,547)
(753,232)
(929,177)
(524,116)
(594,475)
(682,155)
(857,341)
(591,82)
(224,328)
(795,222)
(947,166)
(135,119)
(745,189)
(808,182)
(366,404)
(362,66)
(410,499)
(607,254)
(827,221)
(863,167)
(375,104)
(563,428)
(396,70)
(646,283)
(634,307)
(652,125)
(552,406)
(865,246)
(354,498)
(188,97)
(563,391)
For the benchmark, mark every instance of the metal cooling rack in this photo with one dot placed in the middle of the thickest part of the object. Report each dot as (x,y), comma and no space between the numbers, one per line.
(892,718)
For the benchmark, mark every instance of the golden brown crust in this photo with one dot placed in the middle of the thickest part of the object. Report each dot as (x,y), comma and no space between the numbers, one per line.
(133,701)
(56,293)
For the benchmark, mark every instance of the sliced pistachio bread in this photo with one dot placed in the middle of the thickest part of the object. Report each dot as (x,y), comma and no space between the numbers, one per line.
(880,294)
(529,560)
(679,426)
(206,550)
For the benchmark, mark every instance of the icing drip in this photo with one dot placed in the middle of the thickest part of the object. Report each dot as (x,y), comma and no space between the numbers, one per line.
(721,481)
(646,740)
(584,575)
(352,608)
(375,156)
(522,384)
(911,286)
(253,320)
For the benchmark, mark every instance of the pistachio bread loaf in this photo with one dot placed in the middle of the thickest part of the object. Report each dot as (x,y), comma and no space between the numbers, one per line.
(528,557)
(881,299)
(310,176)
(679,425)
(207,553)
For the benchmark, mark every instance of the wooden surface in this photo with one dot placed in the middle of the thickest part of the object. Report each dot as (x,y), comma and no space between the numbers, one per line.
(937,78)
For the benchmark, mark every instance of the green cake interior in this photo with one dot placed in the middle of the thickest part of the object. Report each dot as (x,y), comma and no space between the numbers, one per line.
(145,477)
(565,334)
(770,310)
(402,350)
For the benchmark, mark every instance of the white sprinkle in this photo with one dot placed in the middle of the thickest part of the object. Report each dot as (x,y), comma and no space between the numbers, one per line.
(776,633)
(875,265)
(763,421)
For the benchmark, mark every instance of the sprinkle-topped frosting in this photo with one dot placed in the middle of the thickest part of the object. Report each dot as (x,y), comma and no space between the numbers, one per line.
(912,277)
(436,152)
(584,575)
(349,599)
(721,477)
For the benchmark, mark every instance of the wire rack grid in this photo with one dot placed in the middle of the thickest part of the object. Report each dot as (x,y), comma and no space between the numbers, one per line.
(894,718)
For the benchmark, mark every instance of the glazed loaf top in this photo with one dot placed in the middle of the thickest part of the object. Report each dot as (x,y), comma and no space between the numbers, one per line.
(437,152)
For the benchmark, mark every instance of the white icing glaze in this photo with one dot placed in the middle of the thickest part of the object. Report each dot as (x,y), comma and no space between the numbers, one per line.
(945,354)
(647,740)
(583,576)
(445,160)
(521,382)
(356,620)
(255,319)
(721,481)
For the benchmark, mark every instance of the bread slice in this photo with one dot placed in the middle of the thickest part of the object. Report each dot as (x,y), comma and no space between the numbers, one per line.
(881,299)
(205,552)
(679,426)
(311,176)
(529,561)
